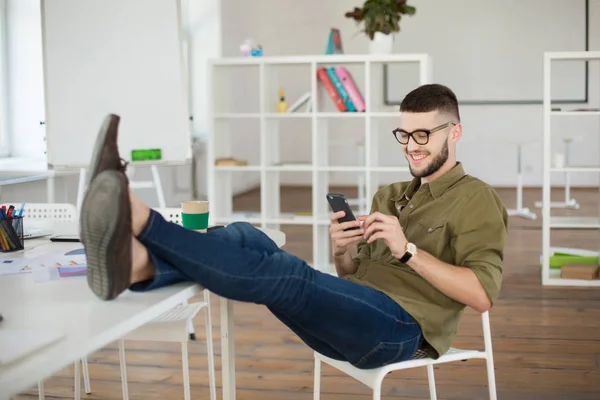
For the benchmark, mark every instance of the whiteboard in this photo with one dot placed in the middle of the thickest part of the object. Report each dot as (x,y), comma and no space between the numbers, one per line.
(114,56)
(490,50)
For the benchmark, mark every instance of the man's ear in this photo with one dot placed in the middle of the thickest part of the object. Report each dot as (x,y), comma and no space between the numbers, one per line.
(456,133)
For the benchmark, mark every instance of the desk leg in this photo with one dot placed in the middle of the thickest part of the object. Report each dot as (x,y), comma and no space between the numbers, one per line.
(227,349)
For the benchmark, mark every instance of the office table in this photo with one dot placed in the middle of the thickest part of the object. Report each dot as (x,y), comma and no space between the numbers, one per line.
(68,306)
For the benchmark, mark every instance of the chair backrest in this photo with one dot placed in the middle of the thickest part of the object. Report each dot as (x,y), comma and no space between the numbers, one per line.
(62,212)
(171,214)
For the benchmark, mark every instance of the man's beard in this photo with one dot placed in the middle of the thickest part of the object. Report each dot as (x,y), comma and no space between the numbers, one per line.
(434,165)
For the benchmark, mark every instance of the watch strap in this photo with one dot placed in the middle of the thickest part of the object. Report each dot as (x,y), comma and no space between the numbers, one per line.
(405,257)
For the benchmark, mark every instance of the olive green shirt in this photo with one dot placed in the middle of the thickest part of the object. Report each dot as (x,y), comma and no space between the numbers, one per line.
(456,218)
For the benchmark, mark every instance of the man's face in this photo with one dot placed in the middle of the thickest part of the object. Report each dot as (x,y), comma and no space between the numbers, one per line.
(425,159)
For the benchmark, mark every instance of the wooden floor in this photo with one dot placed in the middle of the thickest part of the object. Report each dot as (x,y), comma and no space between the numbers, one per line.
(546,340)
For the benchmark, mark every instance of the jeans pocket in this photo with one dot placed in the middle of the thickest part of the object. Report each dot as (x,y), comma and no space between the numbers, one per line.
(385,353)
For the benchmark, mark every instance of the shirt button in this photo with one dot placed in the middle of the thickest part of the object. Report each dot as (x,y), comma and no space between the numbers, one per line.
(412,206)
(429,230)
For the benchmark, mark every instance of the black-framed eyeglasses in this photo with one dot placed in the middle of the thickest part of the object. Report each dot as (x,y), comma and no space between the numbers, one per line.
(420,136)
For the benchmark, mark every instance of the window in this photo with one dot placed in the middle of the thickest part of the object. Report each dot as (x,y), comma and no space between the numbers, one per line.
(4,132)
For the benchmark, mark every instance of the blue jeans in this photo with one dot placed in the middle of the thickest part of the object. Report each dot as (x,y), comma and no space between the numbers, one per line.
(333,316)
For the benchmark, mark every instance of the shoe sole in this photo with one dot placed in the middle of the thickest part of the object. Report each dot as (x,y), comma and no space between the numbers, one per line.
(106,227)
(110,121)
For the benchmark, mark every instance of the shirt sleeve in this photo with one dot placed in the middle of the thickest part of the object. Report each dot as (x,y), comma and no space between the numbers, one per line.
(479,239)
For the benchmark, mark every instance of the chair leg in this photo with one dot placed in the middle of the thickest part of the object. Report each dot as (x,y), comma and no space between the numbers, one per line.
(431,379)
(209,348)
(123,363)
(86,376)
(186,371)
(192,330)
(317,384)
(491,377)
(377,390)
(77,377)
(41,394)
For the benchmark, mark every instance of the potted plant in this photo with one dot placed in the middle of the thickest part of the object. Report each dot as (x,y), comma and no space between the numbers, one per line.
(381,20)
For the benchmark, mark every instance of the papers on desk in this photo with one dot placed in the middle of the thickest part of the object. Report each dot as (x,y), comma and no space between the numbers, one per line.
(48,267)
(14,266)
(51,267)
(18,343)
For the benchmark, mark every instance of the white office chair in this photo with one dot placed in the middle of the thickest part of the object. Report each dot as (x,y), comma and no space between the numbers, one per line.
(172,326)
(61,212)
(373,378)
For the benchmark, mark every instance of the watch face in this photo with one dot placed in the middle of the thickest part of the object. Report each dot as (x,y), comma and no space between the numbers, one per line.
(411,248)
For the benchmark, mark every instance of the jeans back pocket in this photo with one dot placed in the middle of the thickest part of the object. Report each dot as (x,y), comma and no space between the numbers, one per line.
(385,353)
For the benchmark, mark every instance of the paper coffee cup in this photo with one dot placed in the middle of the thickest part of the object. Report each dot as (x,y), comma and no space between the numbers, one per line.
(194,215)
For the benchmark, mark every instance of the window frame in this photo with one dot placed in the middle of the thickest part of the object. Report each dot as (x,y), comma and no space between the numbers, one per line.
(5,137)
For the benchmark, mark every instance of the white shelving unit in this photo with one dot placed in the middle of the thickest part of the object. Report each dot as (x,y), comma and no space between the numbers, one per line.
(552,277)
(243,98)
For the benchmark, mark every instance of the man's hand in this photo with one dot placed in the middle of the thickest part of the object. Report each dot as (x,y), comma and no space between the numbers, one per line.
(387,228)
(340,239)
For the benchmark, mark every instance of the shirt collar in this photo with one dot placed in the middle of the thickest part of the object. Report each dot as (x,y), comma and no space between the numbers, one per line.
(436,187)
(441,184)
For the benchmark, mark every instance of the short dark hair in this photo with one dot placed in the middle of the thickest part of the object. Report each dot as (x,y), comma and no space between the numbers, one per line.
(431,97)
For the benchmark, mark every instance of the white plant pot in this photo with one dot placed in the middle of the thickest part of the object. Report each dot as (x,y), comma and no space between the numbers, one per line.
(381,44)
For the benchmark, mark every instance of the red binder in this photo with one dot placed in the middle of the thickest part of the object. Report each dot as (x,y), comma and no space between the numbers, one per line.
(333,93)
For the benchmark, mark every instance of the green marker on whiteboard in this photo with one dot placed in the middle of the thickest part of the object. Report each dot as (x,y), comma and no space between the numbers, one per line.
(146,155)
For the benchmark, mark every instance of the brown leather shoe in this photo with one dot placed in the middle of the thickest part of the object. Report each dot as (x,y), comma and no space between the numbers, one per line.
(106,234)
(106,150)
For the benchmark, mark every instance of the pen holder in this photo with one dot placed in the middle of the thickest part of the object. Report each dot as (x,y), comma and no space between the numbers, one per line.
(11,234)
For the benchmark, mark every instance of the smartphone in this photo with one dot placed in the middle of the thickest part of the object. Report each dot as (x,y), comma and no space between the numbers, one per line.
(65,238)
(338,202)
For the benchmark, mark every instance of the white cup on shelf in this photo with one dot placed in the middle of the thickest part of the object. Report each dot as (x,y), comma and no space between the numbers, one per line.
(559,160)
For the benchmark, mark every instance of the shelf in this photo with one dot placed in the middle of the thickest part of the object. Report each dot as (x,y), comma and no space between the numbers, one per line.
(575,113)
(308,115)
(251,217)
(290,115)
(341,114)
(237,168)
(554,279)
(307,168)
(576,169)
(297,148)
(236,115)
(255,218)
(572,55)
(290,168)
(575,222)
(322,59)
(551,277)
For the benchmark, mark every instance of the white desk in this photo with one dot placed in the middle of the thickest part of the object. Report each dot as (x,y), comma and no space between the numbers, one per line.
(22,170)
(88,323)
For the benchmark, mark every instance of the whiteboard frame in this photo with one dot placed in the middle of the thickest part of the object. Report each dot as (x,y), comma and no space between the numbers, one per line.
(392,102)
(183,56)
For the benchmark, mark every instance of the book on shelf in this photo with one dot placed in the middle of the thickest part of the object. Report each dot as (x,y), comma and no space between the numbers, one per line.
(331,90)
(351,89)
(341,89)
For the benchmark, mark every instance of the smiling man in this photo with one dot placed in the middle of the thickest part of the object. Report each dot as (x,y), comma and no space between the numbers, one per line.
(429,248)
(434,244)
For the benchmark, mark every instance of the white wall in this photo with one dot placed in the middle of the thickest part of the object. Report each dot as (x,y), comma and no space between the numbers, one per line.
(25,78)
(289,27)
